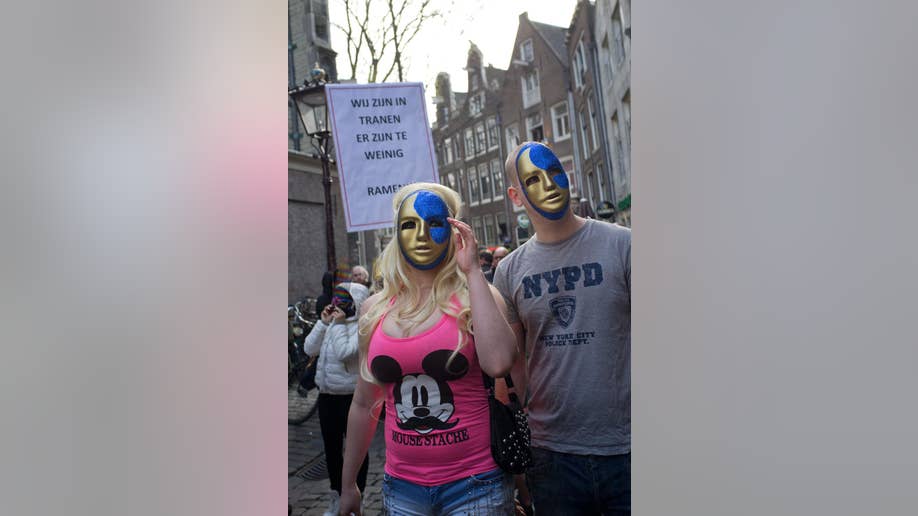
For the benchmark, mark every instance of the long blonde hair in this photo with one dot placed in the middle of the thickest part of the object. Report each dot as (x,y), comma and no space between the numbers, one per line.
(408,308)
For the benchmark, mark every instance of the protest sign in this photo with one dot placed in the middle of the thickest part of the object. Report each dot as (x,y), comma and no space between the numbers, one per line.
(382,141)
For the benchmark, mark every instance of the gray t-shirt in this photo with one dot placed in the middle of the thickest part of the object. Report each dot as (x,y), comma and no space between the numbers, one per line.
(573,299)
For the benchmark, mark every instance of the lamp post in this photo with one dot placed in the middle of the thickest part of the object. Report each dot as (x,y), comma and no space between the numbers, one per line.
(309,101)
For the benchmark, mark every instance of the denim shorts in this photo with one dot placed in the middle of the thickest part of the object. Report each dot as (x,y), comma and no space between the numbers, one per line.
(484,494)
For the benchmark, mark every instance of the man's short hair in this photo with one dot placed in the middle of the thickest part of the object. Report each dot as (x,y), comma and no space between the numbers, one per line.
(510,165)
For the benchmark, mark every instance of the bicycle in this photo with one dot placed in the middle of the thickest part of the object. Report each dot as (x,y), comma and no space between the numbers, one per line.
(302,393)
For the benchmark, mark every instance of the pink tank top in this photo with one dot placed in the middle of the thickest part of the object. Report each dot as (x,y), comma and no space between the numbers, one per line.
(437,428)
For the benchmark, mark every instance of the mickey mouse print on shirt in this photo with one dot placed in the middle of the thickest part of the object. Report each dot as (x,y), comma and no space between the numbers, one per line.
(423,401)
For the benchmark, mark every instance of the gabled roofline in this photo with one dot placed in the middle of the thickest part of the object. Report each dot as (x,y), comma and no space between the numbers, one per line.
(535,25)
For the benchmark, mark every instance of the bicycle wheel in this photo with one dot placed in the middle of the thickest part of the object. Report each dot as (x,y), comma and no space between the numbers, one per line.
(301,400)
(301,405)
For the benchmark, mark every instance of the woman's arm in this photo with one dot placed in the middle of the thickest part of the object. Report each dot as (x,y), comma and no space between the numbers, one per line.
(495,342)
(362,420)
(361,425)
(313,341)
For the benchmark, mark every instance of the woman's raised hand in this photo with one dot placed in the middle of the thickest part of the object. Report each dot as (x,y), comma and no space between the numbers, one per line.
(466,247)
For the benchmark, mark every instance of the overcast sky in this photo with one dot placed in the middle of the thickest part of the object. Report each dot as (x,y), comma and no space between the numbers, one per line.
(442,46)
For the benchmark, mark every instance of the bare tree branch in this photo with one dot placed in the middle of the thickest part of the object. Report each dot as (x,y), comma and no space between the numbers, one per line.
(354,44)
(377,34)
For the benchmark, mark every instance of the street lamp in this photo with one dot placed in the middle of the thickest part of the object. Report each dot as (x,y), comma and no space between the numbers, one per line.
(309,101)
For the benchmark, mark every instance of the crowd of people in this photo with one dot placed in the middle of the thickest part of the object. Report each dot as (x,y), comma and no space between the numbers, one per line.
(412,349)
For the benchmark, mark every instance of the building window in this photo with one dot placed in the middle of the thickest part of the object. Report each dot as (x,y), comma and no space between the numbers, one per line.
(580,66)
(534,127)
(606,55)
(559,121)
(443,114)
(456,149)
(320,17)
(626,113)
(583,135)
(460,185)
(497,176)
(448,150)
(513,137)
(469,143)
(484,175)
(503,231)
(532,95)
(451,181)
(600,173)
(618,44)
(493,133)
(619,150)
(481,138)
(479,229)
(476,103)
(595,139)
(526,51)
(474,196)
(490,234)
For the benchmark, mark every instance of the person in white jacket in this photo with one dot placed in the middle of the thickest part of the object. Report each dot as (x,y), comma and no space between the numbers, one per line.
(334,339)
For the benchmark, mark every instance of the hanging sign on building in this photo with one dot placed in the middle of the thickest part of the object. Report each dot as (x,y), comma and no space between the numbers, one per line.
(382,142)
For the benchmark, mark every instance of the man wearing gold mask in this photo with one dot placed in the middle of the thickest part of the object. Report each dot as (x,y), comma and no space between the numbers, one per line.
(568,297)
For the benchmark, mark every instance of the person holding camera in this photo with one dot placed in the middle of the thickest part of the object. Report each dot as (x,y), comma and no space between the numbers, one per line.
(334,339)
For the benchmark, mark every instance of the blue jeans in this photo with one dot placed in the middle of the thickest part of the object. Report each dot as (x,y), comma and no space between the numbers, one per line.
(485,494)
(562,484)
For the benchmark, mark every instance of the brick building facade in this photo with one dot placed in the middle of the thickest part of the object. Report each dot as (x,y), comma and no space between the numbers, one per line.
(470,151)
(592,146)
(475,130)
(613,60)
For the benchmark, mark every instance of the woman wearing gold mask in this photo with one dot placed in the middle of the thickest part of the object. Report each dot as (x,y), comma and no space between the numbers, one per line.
(425,340)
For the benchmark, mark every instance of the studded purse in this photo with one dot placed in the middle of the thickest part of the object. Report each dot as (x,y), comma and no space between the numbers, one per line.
(509,430)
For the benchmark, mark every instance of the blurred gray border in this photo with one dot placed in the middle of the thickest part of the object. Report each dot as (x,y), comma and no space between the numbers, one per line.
(775,258)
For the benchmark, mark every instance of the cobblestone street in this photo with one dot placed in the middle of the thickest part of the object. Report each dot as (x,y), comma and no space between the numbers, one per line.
(307,479)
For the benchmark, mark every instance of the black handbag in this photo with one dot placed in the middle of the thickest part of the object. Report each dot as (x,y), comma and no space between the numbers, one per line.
(509,430)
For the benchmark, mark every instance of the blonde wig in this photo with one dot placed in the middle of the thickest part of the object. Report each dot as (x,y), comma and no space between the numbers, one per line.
(408,310)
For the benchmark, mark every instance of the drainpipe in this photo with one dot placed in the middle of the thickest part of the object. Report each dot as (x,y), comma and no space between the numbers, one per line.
(575,138)
(511,231)
(601,106)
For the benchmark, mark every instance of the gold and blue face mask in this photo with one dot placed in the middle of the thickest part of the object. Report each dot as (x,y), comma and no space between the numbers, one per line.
(543,180)
(423,232)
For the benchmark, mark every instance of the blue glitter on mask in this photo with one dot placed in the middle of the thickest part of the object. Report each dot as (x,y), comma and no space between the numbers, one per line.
(542,157)
(432,209)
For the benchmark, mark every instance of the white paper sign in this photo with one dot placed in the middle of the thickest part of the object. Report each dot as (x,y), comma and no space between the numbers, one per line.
(383,142)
